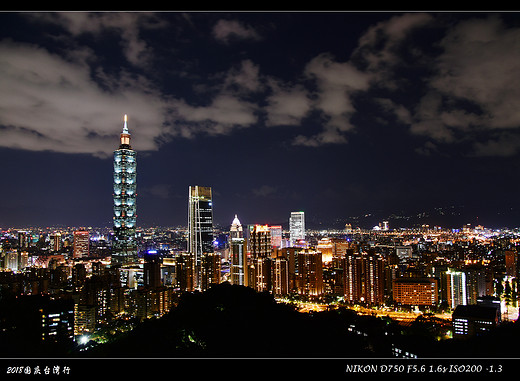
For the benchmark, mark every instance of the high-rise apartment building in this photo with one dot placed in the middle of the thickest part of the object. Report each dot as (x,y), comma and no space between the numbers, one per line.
(56,242)
(125,207)
(81,244)
(511,258)
(364,277)
(24,239)
(200,235)
(11,259)
(57,320)
(152,271)
(84,320)
(326,248)
(280,276)
(259,262)
(310,273)
(457,288)
(259,241)
(296,227)
(476,284)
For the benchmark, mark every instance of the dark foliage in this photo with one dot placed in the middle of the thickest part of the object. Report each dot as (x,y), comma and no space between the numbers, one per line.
(20,334)
(235,321)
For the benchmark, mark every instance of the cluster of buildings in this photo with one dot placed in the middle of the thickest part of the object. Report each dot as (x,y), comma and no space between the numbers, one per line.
(89,278)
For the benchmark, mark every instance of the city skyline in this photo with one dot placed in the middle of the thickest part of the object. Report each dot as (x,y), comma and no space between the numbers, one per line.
(380,114)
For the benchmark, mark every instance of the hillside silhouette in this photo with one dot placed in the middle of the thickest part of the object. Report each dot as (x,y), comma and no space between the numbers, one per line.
(236,321)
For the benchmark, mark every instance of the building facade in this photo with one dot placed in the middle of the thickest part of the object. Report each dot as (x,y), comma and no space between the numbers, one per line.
(474,320)
(259,241)
(280,276)
(296,228)
(124,247)
(81,244)
(259,261)
(276,236)
(200,234)
(238,252)
(416,291)
(363,277)
(456,288)
(310,273)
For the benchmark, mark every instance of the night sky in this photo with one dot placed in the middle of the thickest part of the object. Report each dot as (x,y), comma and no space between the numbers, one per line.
(349,116)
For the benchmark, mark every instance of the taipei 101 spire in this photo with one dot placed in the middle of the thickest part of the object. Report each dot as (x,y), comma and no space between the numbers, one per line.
(125,135)
(124,247)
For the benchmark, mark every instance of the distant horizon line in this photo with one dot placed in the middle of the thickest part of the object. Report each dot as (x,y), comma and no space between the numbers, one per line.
(219,226)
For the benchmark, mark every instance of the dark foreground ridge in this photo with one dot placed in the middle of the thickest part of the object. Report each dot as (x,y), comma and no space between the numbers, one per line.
(236,321)
(231,321)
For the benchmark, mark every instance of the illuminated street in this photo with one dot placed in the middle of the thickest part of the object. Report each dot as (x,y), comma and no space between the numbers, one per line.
(509,313)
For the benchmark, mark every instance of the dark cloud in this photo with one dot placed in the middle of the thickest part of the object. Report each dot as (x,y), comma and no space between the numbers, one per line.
(233,91)
(229,30)
(55,102)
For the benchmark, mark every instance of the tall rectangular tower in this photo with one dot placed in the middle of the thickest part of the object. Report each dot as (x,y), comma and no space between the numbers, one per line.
(125,208)
(81,244)
(310,273)
(259,241)
(259,264)
(238,253)
(456,288)
(363,277)
(296,227)
(200,232)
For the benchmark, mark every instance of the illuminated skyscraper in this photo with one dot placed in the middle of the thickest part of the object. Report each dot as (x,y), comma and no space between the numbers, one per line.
(238,251)
(310,273)
(363,277)
(56,241)
(276,236)
(259,241)
(259,265)
(81,244)
(511,257)
(280,276)
(456,288)
(200,234)
(125,208)
(296,227)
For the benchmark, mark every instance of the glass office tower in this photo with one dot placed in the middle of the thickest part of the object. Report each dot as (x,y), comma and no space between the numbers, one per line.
(200,234)
(296,227)
(124,248)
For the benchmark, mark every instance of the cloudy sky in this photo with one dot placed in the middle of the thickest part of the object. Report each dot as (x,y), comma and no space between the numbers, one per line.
(342,114)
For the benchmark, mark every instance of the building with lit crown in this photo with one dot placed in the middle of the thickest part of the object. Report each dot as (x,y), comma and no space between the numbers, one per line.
(259,241)
(125,208)
(259,262)
(238,252)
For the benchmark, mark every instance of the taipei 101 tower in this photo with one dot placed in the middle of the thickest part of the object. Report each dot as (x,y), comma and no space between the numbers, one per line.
(124,247)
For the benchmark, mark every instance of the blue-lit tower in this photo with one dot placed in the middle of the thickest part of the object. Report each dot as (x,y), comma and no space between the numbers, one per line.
(124,248)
